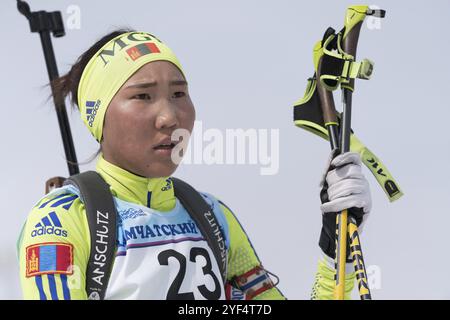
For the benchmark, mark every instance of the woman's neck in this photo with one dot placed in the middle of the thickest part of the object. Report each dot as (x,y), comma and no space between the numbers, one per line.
(155,193)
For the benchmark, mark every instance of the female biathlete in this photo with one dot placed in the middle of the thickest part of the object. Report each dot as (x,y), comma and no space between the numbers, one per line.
(132,94)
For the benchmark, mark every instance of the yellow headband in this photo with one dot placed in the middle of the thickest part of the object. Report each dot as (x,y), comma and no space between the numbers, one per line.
(110,68)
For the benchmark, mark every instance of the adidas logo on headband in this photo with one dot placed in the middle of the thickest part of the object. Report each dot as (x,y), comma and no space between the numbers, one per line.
(91,110)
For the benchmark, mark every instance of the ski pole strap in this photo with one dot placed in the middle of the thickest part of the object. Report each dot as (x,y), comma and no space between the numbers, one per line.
(378,169)
(308,116)
(204,217)
(101,215)
(338,67)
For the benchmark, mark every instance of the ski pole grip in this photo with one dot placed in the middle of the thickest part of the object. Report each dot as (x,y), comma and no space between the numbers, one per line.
(326,101)
(350,44)
(325,96)
(354,19)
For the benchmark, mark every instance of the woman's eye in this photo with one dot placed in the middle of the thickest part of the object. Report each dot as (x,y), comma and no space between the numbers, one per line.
(179,94)
(142,96)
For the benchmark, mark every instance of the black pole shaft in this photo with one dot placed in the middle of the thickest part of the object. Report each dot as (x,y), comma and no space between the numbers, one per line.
(333,135)
(61,112)
(346,120)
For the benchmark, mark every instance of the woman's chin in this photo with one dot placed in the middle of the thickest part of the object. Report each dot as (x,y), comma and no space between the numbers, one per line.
(156,170)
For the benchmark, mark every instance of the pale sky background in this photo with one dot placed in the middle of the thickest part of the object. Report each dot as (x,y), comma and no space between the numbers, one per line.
(247,63)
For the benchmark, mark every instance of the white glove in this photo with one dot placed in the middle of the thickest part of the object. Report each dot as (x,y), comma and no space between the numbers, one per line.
(346,186)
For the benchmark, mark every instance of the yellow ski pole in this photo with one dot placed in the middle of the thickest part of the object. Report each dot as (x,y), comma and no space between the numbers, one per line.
(358,261)
(354,18)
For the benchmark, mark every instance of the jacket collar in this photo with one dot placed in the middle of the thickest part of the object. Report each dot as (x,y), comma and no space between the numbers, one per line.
(155,193)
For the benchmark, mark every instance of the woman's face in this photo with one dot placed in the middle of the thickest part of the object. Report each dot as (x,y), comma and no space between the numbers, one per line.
(142,116)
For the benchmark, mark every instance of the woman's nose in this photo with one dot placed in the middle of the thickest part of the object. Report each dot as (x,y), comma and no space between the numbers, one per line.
(167,117)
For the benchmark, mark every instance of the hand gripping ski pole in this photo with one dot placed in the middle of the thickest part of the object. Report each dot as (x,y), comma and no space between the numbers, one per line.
(45,22)
(335,66)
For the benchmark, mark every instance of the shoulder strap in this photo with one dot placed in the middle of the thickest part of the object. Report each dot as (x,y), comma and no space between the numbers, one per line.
(204,217)
(101,214)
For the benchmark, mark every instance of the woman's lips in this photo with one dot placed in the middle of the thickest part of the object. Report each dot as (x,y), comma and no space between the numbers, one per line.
(164,149)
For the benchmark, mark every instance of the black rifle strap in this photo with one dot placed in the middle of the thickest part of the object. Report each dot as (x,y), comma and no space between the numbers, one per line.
(204,217)
(101,215)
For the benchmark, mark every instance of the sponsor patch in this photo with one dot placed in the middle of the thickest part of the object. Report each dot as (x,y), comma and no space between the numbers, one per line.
(142,50)
(49,258)
(49,225)
(254,282)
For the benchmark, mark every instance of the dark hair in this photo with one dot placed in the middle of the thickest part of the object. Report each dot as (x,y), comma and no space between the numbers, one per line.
(67,85)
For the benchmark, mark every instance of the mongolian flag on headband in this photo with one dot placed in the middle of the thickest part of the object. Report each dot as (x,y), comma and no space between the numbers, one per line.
(49,258)
(142,49)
